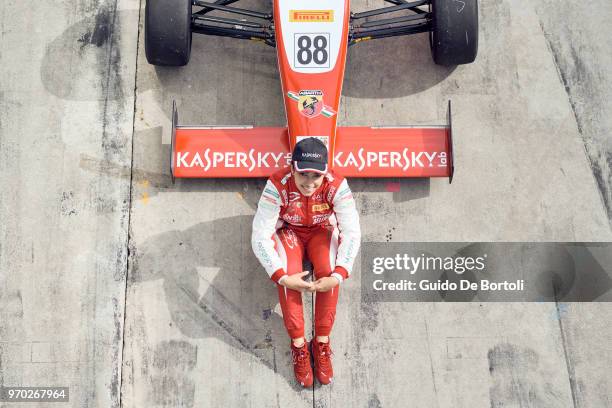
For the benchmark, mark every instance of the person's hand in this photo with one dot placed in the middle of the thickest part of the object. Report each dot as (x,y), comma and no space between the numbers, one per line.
(296,282)
(325,284)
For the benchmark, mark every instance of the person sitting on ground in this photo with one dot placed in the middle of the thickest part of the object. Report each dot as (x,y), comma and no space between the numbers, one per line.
(307,210)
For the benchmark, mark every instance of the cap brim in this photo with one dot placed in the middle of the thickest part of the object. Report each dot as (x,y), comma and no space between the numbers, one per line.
(311,166)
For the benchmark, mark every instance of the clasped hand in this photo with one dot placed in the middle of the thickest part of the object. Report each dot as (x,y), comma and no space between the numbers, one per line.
(296,282)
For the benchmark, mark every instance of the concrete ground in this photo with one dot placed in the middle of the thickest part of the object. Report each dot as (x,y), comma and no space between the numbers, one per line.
(137,292)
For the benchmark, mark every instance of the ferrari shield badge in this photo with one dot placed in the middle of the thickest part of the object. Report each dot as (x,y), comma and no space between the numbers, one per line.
(310,103)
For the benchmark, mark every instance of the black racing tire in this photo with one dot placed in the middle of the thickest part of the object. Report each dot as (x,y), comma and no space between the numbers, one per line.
(454,34)
(168,32)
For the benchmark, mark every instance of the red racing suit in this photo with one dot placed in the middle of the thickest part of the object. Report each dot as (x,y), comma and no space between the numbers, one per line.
(324,226)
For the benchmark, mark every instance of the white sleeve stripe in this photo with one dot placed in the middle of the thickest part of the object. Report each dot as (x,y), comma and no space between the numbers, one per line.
(348,224)
(264,226)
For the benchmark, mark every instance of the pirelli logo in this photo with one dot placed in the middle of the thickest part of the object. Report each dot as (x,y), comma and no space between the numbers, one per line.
(320,207)
(311,16)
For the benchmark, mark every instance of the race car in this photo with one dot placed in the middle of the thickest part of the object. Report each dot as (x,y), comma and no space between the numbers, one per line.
(311,38)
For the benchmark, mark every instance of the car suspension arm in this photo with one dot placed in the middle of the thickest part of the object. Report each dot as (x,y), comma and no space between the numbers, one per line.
(244,12)
(231,27)
(401,6)
(416,9)
(395,20)
(418,22)
(366,34)
(236,31)
(230,21)
(208,9)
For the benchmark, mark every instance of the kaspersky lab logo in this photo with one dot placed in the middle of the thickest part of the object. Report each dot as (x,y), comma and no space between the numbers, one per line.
(360,160)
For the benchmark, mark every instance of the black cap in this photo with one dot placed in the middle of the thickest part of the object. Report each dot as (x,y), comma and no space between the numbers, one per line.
(310,154)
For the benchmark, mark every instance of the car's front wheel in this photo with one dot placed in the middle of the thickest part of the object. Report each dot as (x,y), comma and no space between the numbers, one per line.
(168,32)
(454,34)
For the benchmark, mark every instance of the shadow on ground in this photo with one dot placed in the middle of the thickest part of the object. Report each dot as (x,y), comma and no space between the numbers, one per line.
(189,260)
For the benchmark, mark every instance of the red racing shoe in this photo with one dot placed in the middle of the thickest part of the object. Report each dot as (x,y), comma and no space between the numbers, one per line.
(322,361)
(301,365)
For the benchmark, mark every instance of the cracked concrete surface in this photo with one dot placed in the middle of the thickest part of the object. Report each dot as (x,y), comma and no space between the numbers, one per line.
(134,291)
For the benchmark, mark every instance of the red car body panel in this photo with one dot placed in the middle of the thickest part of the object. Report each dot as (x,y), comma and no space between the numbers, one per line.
(311,43)
(328,83)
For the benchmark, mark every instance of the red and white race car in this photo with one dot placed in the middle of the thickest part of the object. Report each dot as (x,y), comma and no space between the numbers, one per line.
(311,38)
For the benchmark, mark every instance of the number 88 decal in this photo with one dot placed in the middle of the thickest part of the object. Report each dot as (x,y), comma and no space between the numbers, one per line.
(312,50)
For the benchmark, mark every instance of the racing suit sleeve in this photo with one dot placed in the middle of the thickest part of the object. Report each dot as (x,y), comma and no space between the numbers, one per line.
(264,226)
(350,231)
